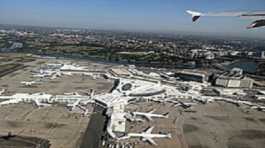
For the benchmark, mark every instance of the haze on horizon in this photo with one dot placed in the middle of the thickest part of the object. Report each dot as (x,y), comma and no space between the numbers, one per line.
(138,15)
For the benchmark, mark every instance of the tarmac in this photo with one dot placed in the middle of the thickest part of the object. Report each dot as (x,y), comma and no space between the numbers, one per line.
(60,85)
(223,125)
(218,124)
(56,124)
(23,142)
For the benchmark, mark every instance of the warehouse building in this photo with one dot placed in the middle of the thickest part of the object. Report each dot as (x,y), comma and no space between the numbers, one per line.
(234,79)
(191,75)
(121,72)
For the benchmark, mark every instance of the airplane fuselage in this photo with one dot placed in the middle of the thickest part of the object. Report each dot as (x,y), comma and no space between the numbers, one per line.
(143,135)
(149,115)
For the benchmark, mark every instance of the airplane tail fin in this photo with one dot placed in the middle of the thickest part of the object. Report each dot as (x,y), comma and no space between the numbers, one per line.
(166,115)
(169,136)
(195,15)
(152,111)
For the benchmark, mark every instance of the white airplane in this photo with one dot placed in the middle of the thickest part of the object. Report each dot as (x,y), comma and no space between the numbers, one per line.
(2,91)
(28,83)
(150,115)
(259,16)
(147,135)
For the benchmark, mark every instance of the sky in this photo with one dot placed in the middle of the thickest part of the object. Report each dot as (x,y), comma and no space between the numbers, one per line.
(133,15)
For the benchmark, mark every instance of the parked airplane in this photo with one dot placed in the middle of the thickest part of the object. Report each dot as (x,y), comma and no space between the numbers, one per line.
(28,83)
(147,136)
(258,15)
(150,115)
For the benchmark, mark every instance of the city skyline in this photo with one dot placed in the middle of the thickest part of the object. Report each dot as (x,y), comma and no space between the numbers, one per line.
(149,15)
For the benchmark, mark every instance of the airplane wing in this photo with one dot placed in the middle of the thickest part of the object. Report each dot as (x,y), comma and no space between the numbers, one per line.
(40,104)
(13,101)
(195,15)
(152,111)
(150,140)
(74,104)
(148,118)
(258,15)
(149,130)
(228,13)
